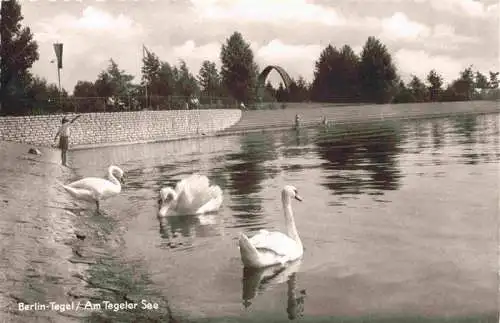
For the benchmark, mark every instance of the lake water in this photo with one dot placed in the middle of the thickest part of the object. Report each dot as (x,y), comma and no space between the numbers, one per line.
(399,221)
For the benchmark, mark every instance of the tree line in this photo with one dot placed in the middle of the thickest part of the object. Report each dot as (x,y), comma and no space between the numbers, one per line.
(340,76)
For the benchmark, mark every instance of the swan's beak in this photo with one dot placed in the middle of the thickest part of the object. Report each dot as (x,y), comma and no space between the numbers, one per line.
(298,198)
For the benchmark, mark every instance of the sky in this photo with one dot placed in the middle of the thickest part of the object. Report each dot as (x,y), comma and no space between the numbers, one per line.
(446,35)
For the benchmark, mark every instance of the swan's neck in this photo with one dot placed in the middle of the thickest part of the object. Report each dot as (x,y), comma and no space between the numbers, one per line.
(175,196)
(290,222)
(112,177)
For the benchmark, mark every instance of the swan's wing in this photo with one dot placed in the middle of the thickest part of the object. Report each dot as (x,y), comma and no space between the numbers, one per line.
(86,182)
(275,242)
(100,186)
(80,193)
(215,198)
(195,192)
(90,183)
(198,180)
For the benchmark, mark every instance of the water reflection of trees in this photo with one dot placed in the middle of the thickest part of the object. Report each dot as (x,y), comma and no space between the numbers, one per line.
(420,134)
(437,134)
(466,127)
(247,170)
(352,152)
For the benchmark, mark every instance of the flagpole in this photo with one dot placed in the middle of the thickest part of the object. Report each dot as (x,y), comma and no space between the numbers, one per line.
(145,83)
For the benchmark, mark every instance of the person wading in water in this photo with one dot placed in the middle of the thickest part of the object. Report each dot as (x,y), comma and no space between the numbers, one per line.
(64,133)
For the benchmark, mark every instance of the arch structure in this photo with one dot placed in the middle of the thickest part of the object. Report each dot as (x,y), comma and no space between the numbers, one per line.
(287,80)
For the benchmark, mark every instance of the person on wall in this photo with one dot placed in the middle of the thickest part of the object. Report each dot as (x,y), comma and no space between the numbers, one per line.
(64,133)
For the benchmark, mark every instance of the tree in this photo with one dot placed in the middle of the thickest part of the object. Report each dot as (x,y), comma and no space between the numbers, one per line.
(151,66)
(403,94)
(209,79)
(115,85)
(418,89)
(186,84)
(281,93)
(120,81)
(239,71)
(298,90)
(166,80)
(377,72)
(324,81)
(18,52)
(493,80)
(435,85)
(85,89)
(104,85)
(348,71)
(85,95)
(481,81)
(463,87)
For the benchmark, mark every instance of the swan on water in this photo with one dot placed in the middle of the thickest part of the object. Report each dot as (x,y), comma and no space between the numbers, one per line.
(271,248)
(192,195)
(94,189)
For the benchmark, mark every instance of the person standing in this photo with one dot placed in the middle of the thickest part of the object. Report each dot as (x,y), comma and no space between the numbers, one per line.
(64,133)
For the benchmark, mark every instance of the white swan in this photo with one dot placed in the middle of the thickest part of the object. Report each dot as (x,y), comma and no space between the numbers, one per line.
(271,248)
(94,189)
(192,195)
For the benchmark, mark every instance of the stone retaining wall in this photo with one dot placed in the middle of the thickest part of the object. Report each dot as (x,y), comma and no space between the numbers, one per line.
(101,129)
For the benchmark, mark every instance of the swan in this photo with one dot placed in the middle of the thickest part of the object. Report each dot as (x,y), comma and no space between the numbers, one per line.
(192,196)
(94,189)
(271,248)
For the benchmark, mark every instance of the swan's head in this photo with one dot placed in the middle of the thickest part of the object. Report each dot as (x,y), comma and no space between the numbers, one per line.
(167,197)
(118,173)
(290,192)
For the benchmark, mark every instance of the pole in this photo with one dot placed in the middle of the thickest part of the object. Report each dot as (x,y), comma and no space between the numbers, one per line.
(145,83)
(59,81)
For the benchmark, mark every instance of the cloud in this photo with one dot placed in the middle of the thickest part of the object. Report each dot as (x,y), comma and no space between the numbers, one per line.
(189,49)
(472,8)
(92,20)
(276,51)
(98,20)
(441,37)
(399,26)
(90,39)
(270,11)
(297,60)
(419,63)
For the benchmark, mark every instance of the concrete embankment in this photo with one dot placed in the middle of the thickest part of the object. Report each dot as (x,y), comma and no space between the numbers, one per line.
(313,114)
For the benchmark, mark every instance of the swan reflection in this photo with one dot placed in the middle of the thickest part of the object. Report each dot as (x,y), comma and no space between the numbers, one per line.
(257,280)
(189,226)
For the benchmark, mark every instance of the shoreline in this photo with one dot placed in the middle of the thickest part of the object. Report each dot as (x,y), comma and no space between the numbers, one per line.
(248,124)
(291,126)
(312,115)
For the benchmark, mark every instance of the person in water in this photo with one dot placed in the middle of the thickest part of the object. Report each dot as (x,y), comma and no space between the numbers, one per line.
(64,133)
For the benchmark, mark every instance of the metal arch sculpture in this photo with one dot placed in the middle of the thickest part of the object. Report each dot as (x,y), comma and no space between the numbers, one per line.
(287,80)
